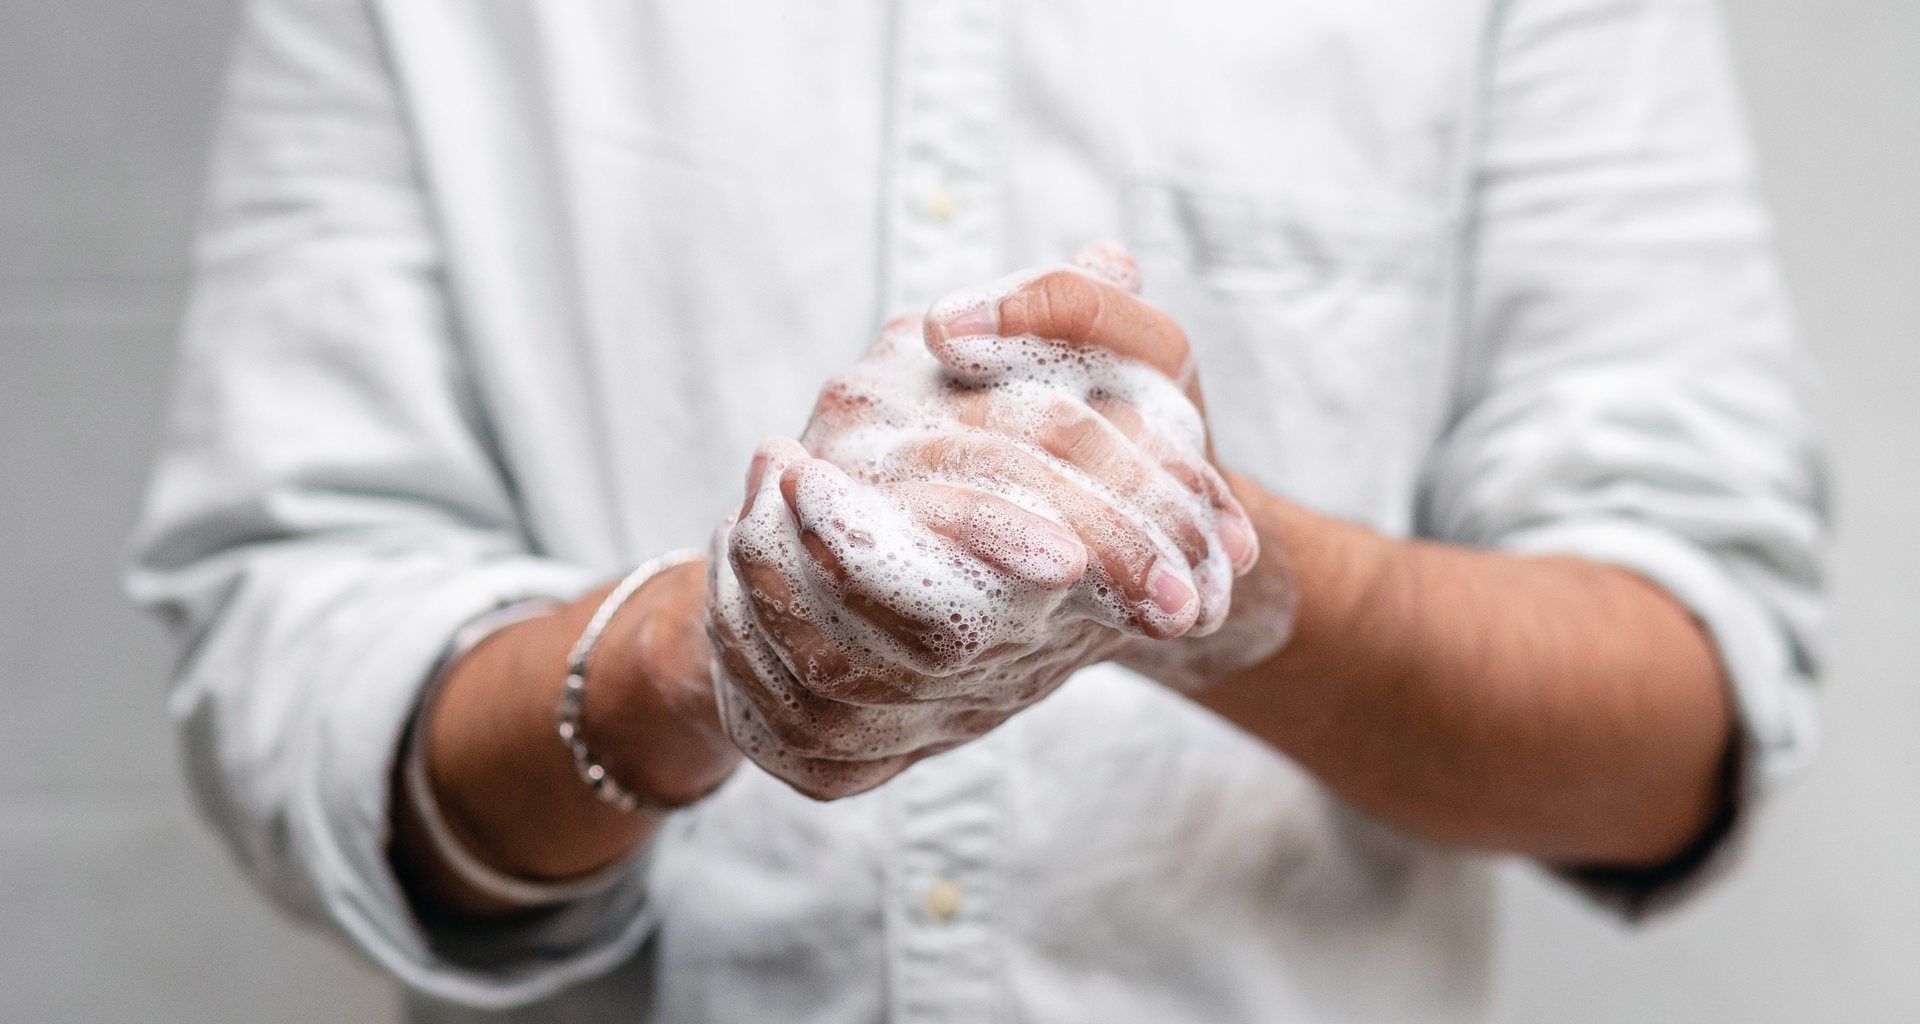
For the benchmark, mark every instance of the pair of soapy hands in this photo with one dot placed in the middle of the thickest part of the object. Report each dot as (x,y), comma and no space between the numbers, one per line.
(1017,486)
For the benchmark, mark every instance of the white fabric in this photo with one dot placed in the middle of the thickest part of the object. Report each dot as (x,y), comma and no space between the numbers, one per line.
(496,299)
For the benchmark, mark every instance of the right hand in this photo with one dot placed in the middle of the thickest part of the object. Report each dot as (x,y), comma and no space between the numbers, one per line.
(960,546)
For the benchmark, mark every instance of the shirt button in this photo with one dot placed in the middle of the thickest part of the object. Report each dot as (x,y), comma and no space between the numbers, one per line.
(941,204)
(943,899)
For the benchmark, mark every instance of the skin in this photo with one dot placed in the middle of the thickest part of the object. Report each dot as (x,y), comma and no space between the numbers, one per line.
(1552,707)
(838,711)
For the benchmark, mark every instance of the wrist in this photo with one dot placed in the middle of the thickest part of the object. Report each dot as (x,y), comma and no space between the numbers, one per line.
(1349,588)
(502,779)
(508,786)
(1347,580)
(1339,571)
(652,719)
(1321,587)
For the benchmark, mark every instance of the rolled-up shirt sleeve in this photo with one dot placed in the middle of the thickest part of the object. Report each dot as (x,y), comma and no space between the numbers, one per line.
(327,509)
(1631,391)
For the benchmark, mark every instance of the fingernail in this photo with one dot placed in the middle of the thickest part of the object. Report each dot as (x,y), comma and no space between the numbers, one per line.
(977,321)
(1168,591)
(1238,540)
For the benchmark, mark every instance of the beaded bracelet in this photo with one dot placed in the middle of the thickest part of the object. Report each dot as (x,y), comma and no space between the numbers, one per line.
(573,699)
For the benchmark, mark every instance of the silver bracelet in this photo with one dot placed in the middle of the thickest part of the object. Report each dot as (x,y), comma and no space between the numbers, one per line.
(573,699)
(477,874)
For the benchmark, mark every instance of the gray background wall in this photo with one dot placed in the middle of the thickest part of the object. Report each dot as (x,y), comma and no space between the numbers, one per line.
(114,904)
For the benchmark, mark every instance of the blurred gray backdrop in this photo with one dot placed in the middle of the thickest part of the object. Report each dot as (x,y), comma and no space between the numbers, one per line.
(115,905)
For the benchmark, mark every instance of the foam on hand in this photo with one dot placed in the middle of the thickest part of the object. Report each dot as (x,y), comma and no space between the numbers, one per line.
(920,531)
(901,397)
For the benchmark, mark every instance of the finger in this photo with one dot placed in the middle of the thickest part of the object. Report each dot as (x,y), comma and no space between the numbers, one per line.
(744,663)
(1018,372)
(849,649)
(808,726)
(1112,445)
(1237,535)
(809,654)
(1075,434)
(767,568)
(770,652)
(1196,475)
(775,455)
(1028,547)
(901,336)
(1174,459)
(885,384)
(734,585)
(819,779)
(847,575)
(817,638)
(828,492)
(911,563)
(1137,583)
(1174,490)
(860,397)
(1069,306)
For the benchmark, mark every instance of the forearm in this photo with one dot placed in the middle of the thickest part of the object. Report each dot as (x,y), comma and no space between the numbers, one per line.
(506,783)
(1549,706)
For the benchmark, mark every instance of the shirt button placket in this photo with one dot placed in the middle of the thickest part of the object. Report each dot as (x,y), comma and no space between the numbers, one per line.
(944,154)
(944,950)
(944,231)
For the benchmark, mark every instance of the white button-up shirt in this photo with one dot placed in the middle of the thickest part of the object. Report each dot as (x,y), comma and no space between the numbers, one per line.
(496,300)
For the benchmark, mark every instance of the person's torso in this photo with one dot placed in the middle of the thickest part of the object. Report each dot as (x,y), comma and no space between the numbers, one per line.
(668,223)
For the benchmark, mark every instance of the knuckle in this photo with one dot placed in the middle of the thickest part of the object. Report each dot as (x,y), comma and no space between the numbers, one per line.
(752,561)
(823,669)
(1189,478)
(1071,303)
(845,394)
(1068,412)
(1076,436)
(1124,417)
(930,454)
(1175,337)
(973,409)
(1061,304)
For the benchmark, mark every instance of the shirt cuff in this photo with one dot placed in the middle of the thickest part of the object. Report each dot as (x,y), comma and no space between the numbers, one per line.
(1771,692)
(342,807)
